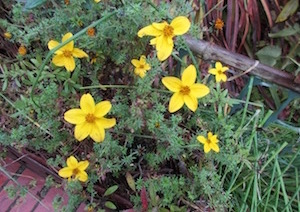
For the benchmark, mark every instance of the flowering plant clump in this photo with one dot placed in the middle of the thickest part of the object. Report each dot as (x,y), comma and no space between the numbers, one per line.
(210,143)
(89,119)
(219,72)
(164,33)
(186,91)
(65,55)
(75,169)
(141,66)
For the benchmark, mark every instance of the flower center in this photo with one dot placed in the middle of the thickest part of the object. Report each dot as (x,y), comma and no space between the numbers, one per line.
(67,53)
(142,66)
(90,118)
(220,72)
(208,141)
(168,31)
(75,171)
(185,90)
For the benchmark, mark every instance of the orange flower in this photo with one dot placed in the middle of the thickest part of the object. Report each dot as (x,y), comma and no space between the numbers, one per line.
(219,24)
(91,32)
(22,50)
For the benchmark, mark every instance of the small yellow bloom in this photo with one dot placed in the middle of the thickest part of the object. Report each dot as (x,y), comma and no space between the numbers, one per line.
(91,32)
(89,119)
(65,55)
(210,143)
(219,24)
(164,33)
(7,35)
(141,66)
(22,50)
(74,169)
(219,72)
(186,91)
(97,1)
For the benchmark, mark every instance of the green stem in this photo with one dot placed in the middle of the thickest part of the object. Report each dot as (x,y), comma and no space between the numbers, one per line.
(78,34)
(104,87)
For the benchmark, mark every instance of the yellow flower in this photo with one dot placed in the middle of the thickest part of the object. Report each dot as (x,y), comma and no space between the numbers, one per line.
(7,35)
(97,1)
(89,119)
(219,71)
(22,50)
(164,34)
(186,91)
(65,55)
(219,24)
(74,169)
(141,66)
(210,143)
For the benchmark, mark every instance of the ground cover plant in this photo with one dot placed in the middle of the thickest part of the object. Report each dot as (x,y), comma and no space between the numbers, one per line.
(111,95)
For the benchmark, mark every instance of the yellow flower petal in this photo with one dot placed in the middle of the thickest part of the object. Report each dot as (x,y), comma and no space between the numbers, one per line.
(164,48)
(189,75)
(59,60)
(72,162)
(82,131)
(209,135)
(191,102)
(135,62)
(65,172)
(207,148)
(102,108)
(214,147)
(176,102)
(82,165)
(97,133)
(199,90)
(180,25)
(213,71)
(218,66)
(172,83)
(106,123)
(149,30)
(69,46)
(75,116)
(52,44)
(201,139)
(153,41)
(218,77)
(143,59)
(160,26)
(78,53)
(87,104)
(224,69)
(223,77)
(82,176)
(69,63)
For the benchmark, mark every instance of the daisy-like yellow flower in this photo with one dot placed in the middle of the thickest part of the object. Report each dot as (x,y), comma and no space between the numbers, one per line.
(89,119)
(164,34)
(22,50)
(141,66)
(7,35)
(219,72)
(186,91)
(210,143)
(219,24)
(65,55)
(74,169)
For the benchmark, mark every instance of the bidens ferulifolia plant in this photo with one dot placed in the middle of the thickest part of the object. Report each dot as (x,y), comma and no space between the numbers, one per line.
(151,125)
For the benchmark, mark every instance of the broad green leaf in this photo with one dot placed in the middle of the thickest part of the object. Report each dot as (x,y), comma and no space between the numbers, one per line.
(130,181)
(286,32)
(269,55)
(30,4)
(110,205)
(289,9)
(110,190)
